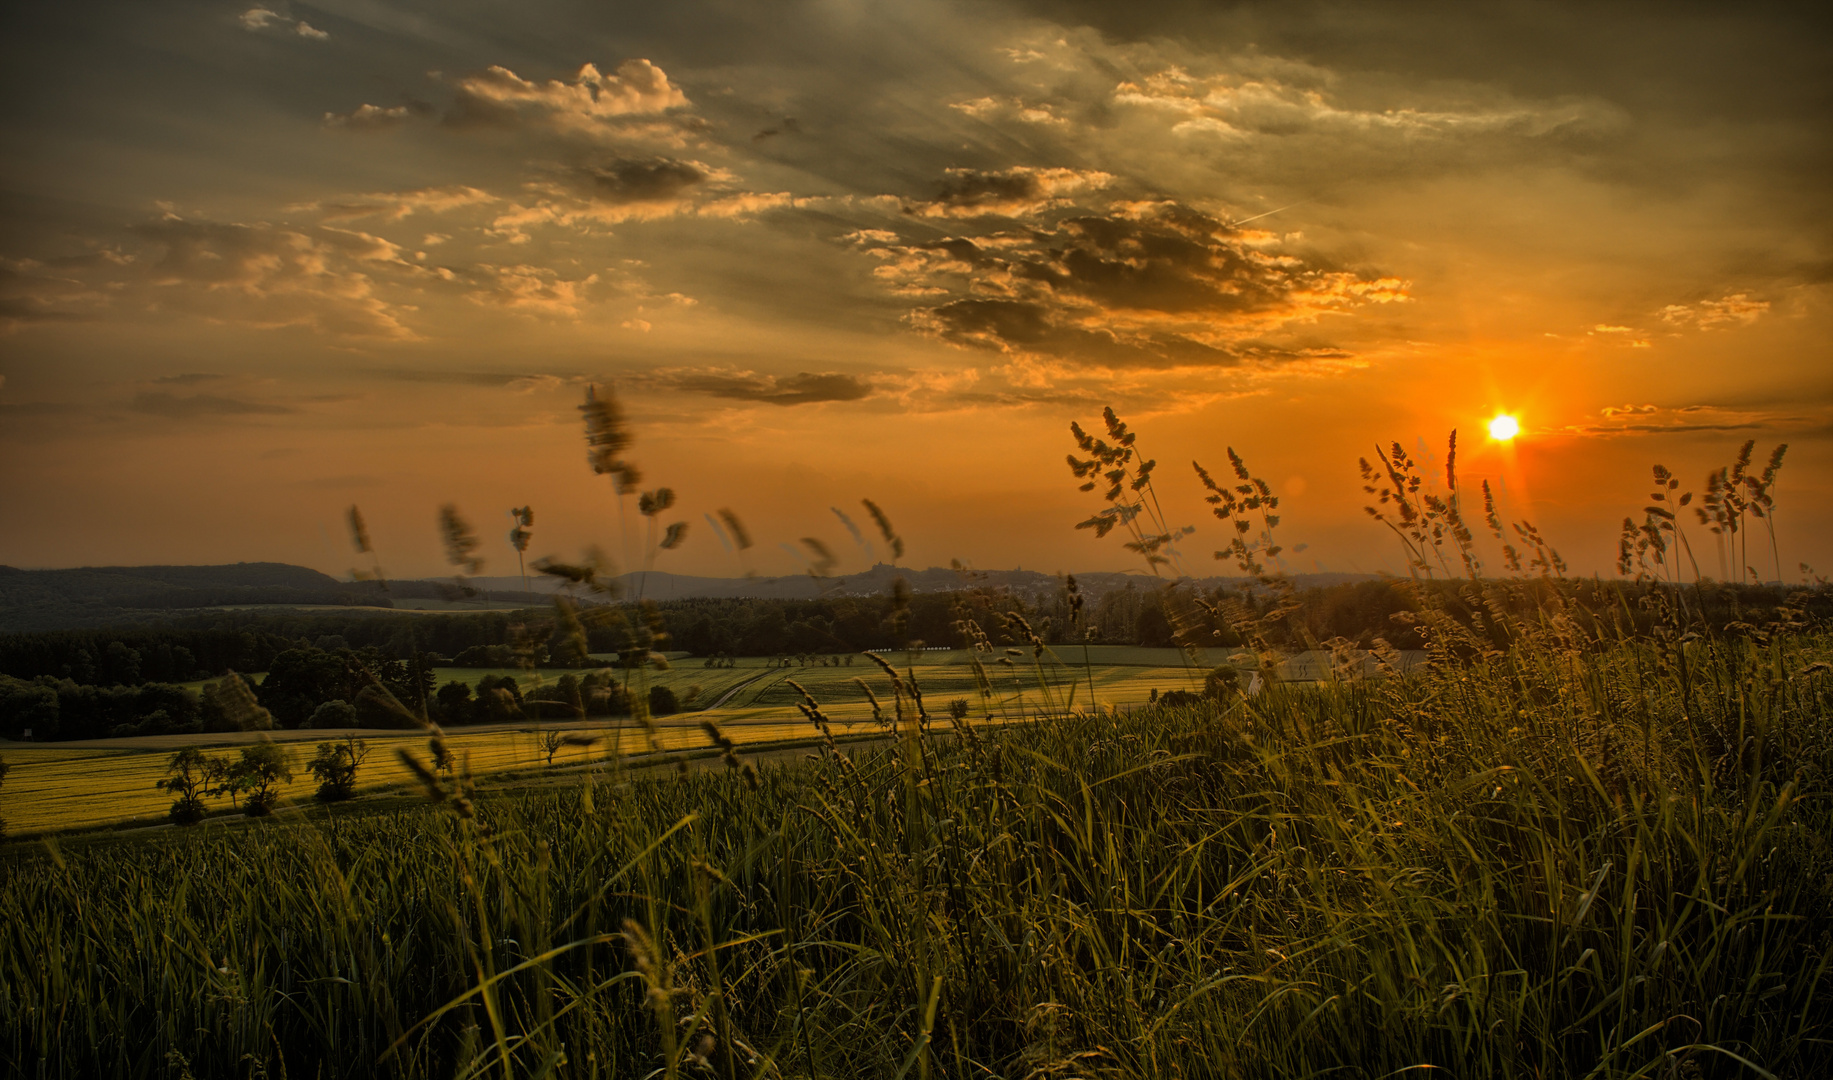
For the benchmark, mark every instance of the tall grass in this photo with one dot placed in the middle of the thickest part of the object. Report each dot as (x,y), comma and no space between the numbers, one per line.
(1612,862)
(1589,839)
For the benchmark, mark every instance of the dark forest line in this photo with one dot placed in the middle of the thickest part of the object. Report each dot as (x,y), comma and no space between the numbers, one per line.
(92,683)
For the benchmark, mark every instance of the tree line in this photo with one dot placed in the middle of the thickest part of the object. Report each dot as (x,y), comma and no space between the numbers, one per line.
(349,669)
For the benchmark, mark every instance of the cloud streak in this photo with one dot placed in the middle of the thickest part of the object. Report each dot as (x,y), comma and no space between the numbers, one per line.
(194,406)
(803,388)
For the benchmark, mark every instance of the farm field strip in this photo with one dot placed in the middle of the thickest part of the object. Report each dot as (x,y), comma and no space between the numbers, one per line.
(72,786)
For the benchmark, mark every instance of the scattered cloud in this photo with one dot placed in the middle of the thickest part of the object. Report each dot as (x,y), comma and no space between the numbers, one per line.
(1281,98)
(34,291)
(587,198)
(591,104)
(1014,192)
(376,117)
(799,389)
(260,19)
(271,276)
(1624,335)
(1012,108)
(1737,309)
(189,378)
(396,205)
(1645,419)
(532,290)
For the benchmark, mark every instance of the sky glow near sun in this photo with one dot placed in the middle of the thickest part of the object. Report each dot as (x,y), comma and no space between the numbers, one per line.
(260,263)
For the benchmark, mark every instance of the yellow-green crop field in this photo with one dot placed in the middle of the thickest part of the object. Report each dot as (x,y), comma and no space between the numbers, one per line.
(102,782)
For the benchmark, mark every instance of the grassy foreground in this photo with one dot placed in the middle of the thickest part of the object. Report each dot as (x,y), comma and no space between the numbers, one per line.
(1609,862)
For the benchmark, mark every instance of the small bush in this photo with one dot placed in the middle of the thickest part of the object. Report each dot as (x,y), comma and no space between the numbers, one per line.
(662,701)
(187,811)
(336,713)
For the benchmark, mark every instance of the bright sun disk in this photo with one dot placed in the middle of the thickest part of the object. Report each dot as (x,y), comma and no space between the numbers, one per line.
(1504,428)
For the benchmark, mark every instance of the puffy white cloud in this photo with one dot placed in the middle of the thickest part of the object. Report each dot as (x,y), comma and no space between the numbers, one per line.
(591,103)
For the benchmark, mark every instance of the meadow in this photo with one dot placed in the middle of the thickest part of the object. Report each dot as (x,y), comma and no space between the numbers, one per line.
(1606,862)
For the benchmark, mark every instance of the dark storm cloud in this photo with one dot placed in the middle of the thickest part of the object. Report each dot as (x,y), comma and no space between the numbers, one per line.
(800,389)
(590,103)
(1013,192)
(192,406)
(642,180)
(1156,283)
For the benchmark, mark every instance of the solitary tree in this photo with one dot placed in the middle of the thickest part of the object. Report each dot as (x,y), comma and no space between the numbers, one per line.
(550,741)
(335,767)
(262,769)
(188,775)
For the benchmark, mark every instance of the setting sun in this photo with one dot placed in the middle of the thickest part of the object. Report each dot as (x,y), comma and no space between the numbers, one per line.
(1504,428)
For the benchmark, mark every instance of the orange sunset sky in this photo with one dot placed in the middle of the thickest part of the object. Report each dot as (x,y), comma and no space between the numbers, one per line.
(261,262)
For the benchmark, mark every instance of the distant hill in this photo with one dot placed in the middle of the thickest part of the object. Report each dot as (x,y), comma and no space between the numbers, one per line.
(102,595)
(111,595)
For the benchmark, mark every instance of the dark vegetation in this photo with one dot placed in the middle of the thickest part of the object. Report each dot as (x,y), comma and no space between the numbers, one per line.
(80,684)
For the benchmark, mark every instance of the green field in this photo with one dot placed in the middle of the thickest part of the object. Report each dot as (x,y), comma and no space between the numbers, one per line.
(102,782)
